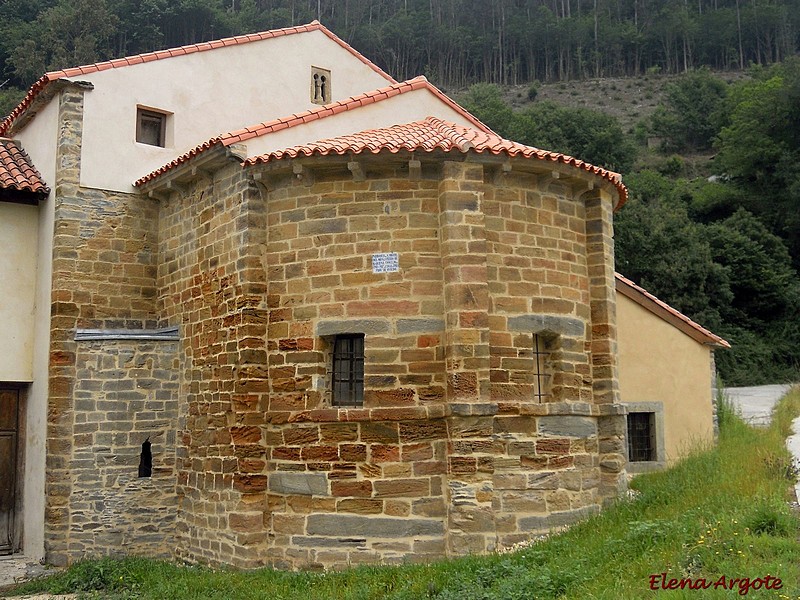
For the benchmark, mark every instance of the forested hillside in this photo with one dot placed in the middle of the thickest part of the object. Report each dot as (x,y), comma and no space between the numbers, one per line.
(713,222)
(453,42)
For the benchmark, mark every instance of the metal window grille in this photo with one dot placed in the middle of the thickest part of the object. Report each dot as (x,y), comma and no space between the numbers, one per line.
(348,370)
(541,376)
(641,437)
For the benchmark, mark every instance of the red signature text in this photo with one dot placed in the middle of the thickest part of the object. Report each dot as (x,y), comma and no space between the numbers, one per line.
(742,585)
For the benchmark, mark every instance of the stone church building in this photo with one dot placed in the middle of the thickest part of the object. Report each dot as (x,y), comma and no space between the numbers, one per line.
(358,327)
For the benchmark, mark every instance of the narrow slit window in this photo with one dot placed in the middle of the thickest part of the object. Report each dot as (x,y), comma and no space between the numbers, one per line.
(348,370)
(541,376)
(146,459)
(641,437)
(151,127)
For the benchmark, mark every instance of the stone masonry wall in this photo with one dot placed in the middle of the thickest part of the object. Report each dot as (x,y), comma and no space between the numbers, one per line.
(125,394)
(104,267)
(450,453)
(211,283)
(360,484)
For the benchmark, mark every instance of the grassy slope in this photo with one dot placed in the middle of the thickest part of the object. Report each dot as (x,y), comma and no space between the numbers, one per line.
(629,99)
(720,512)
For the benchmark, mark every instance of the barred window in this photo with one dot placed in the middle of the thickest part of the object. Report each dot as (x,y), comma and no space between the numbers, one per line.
(541,375)
(348,370)
(641,437)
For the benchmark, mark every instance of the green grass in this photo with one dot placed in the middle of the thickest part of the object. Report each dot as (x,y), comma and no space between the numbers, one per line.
(722,511)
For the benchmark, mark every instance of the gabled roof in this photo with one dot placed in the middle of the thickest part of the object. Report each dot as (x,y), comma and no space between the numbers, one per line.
(48,78)
(352,103)
(17,173)
(432,134)
(648,301)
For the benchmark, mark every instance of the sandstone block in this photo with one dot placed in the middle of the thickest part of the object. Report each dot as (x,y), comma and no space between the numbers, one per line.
(342,525)
(568,426)
(306,484)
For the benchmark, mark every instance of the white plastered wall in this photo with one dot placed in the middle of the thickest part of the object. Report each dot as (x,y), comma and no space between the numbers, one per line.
(403,108)
(39,141)
(207,93)
(18,233)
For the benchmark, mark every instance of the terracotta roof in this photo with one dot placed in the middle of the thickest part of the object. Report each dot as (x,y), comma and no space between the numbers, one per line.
(660,308)
(432,134)
(315,114)
(17,172)
(47,78)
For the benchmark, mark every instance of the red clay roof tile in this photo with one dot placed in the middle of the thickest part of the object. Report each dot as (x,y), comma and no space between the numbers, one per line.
(17,171)
(660,308)
(432,134)
(314,114)
(37,87)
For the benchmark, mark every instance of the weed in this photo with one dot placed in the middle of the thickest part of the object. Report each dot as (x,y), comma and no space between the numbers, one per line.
(771,518)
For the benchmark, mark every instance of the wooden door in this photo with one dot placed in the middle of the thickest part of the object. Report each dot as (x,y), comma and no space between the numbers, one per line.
(9,424)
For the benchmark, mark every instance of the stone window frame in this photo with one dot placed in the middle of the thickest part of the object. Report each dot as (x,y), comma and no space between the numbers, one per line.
(154,115)
(558,332)
(660,462)
(327,330)
(320,88)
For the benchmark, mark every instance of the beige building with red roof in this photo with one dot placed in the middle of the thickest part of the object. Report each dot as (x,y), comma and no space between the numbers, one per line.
(357,327)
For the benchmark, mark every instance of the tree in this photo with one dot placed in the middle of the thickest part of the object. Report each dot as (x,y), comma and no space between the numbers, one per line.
(661,248)
(692,112)
(67,34)
(588,135)
(759,149)
(764,285)
(485,101)
(762,319)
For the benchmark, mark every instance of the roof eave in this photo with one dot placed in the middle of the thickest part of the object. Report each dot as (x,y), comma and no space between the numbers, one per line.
(28,197)
(694,330)
(35,100)
(209,161)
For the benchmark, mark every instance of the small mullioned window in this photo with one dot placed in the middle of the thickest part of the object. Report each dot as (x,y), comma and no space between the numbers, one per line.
(320,86)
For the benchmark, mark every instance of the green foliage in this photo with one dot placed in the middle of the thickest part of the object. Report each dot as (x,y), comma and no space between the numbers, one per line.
(104,574)
(486,102)
(9,98)
(731,275)
(69,33)
(692,112)
(760,148)
(586,134)
(769,517)
(589,135)
(533,91)
(457,42)
(763,282)
(662,249)
(761,144)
